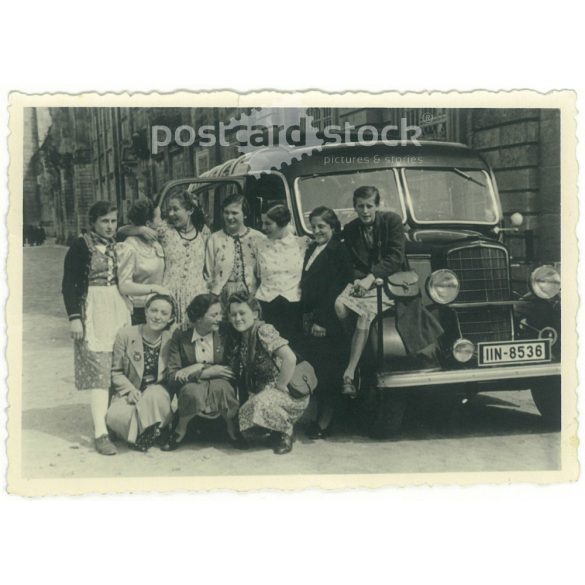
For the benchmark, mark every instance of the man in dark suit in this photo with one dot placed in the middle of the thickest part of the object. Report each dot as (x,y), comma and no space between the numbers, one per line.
(376,243)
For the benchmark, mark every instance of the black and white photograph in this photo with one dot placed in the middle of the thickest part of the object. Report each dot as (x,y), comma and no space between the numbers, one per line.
(277,290)
(292,293)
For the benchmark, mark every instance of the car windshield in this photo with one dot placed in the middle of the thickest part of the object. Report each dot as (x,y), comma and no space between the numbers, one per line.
(451,196)
(336,192)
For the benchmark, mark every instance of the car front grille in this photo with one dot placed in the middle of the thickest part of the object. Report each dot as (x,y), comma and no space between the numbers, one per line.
(485,324)
(483,273)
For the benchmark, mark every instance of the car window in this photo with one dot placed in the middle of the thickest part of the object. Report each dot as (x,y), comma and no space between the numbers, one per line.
(264,192)
(336,191)
(451,196)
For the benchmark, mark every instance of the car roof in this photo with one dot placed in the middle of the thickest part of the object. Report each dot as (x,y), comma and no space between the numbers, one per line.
(331,157)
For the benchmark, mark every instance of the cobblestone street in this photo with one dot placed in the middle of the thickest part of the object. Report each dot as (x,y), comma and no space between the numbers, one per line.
(494,432)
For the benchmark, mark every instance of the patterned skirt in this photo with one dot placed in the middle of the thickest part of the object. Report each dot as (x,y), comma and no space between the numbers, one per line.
(105,313)
(93,369)
(366,306)
(272,409)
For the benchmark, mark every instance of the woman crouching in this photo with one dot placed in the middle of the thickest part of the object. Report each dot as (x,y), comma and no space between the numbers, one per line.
(197,372)
(141,405)
(264,365)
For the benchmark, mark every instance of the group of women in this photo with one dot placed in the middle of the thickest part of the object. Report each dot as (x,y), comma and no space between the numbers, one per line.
(162,308)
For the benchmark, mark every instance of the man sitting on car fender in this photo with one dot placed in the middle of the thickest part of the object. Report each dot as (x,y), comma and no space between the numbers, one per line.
(376,243)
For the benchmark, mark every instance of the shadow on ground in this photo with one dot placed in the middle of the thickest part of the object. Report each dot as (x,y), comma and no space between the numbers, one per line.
(447,417)
(69,422)
(483,415)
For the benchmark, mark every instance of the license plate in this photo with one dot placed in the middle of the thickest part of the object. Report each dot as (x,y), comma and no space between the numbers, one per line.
(514,352)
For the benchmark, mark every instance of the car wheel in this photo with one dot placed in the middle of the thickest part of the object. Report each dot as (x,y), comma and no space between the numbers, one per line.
(546,394)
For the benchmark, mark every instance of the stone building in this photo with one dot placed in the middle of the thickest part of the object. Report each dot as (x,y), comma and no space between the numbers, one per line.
(31,188)
(63,172)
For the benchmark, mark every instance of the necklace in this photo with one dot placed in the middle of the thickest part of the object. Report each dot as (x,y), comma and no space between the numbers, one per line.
(152,343)
(145,338)
(185,238)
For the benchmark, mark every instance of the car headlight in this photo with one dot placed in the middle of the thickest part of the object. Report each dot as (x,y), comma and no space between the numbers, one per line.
(443,286)
(463,350)
(545,282)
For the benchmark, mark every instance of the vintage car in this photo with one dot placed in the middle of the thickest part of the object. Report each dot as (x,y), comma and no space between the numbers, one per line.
(494,337)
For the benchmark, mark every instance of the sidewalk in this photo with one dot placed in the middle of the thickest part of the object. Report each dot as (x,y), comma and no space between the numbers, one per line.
(57,438)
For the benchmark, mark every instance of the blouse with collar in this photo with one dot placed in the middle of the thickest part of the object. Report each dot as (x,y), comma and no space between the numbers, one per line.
(280,267)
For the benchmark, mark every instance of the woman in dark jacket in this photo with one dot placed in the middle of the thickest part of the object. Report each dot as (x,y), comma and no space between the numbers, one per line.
(376,243)
(327,270)
(198,373)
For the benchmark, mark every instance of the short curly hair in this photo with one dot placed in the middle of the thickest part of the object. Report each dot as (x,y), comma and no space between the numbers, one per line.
(366,192)
(167,298)
(279,214)
(99,209)
(248,299)
(200,305)
(186,201)
(328,216)
(237,199)
(141,212)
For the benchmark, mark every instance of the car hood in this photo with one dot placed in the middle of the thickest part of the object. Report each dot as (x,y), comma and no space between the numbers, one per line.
(428,240)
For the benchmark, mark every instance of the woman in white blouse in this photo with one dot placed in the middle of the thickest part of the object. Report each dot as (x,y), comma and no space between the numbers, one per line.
(141,264)
(280,267)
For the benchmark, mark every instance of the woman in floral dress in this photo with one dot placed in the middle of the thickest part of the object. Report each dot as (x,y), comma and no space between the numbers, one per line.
(183,237)
(263,364)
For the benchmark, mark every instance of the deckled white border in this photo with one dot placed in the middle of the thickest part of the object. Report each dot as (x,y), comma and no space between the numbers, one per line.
(569,213)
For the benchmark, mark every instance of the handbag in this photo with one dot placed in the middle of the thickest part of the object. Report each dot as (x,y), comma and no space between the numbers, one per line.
(402,284)
(303,381)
